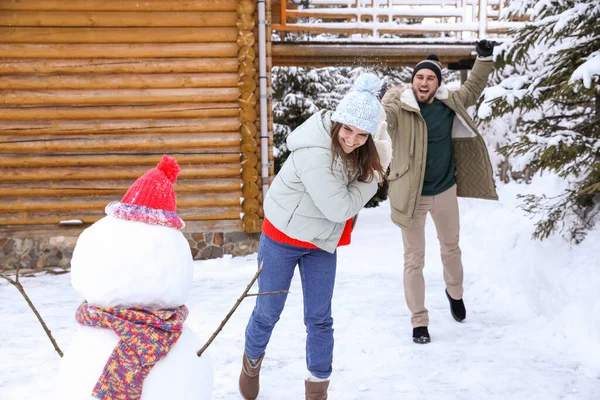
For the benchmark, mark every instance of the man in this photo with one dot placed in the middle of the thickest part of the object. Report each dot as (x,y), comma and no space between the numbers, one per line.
(438,155)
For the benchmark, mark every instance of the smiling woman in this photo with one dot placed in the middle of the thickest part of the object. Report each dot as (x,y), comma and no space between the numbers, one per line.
(351,137)
(336,160)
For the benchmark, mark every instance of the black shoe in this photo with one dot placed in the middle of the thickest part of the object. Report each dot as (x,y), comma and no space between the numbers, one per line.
(421,335)
(457,308)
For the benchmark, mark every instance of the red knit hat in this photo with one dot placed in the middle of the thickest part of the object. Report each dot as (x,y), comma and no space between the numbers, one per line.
(151,199)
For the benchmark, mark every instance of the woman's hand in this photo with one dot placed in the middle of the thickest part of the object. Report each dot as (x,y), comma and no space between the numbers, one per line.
(383,143)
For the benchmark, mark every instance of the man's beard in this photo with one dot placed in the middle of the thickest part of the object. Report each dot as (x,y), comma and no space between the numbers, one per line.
(427,99)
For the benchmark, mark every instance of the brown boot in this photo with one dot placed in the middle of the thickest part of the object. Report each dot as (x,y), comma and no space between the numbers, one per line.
(249,378)
(316,390)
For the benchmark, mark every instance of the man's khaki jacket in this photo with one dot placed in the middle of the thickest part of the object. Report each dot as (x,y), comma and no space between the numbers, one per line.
(407,128)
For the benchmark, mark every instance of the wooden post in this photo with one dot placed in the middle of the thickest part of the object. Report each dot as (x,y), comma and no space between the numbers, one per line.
(248,74)
(482,18)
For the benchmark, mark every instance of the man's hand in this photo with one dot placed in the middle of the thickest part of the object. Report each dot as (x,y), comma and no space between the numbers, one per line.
(485,48)
(381,93)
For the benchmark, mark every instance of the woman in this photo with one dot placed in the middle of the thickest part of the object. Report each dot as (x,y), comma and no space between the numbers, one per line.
(335,163)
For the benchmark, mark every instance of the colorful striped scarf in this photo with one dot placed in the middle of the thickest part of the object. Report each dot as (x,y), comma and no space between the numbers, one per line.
(146,338)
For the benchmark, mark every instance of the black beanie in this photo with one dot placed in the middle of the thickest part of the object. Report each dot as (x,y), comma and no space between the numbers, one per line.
(432,63)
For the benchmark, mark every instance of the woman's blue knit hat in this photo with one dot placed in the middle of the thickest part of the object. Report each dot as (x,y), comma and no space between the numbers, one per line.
(360,106)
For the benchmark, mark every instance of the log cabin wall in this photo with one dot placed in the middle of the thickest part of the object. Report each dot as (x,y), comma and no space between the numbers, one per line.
(93,92)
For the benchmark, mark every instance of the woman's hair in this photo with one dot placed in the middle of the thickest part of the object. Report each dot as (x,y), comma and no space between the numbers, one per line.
(364,160)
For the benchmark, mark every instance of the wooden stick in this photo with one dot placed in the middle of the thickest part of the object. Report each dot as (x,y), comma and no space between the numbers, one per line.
(20,288)
(265,293)
(235,306)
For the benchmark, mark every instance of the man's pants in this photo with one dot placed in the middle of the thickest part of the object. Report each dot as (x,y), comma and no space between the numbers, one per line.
(444,212)
(317,272)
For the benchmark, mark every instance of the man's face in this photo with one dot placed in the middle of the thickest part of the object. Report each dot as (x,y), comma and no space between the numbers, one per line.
(424,85)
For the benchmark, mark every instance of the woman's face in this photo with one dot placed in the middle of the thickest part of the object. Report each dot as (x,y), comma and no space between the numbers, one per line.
(351,137)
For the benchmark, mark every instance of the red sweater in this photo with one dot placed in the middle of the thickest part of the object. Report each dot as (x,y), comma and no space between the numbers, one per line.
(278,236)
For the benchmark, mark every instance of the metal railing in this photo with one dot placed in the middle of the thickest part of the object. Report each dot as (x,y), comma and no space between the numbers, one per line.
(459,19)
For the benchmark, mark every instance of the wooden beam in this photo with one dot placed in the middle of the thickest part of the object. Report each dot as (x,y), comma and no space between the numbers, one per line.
(112,160)
(27,66)
(180,110)
(118,127)
(88,217)
(98,203)
(83,18)
(326,54)
(105,173)
(113,97)
(119,5)
(114,187)
(25,231)
(119,50)
(118,81)
(117,35)
(222,142)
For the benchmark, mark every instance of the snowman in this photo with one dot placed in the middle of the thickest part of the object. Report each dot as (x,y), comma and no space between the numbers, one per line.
(134,269)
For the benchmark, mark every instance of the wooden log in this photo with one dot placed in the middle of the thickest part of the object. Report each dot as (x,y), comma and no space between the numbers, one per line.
(223,142)
(246,68)
(110,173)
(248,115)
(120,126)
(251,223)
(246,38)
(245,7)
(118,5)
(247,83)
(181,110)
(26,66)
(248,130)
(249,145)
(248,175)
(119,50)
(124,96)
(120,81)
(249,160)
(118,187)
(118,35)
(118,19)
(89,217)
(250,206)
(39,230)
(112,160)
(246,22)
(99,203)
(247,99)
(250,190)
(331,14)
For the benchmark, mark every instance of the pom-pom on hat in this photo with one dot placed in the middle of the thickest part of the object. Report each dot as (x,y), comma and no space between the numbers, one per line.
(431,63)
(151,198)
(360,107)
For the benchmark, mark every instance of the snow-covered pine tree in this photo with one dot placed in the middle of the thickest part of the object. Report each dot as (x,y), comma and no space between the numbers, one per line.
(554,89)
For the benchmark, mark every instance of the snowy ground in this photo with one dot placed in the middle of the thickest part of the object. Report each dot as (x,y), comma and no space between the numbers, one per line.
(532,329)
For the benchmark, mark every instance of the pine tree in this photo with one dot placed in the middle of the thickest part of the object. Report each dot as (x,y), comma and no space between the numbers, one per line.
(553,87)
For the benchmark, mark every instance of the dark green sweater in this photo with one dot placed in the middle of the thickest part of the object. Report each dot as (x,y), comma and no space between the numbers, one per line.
(439,167)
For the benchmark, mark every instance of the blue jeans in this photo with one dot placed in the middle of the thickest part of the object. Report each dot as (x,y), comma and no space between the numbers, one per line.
(317,271)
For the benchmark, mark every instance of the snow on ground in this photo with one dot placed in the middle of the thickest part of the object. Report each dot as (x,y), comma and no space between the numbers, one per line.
(532,329)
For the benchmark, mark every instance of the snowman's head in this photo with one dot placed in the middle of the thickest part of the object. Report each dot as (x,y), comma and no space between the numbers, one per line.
(136,256)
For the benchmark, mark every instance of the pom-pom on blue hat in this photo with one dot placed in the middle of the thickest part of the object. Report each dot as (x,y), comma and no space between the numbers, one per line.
(360,106)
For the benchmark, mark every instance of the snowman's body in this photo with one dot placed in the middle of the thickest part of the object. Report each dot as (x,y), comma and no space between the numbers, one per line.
(181,374)
(129,264)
